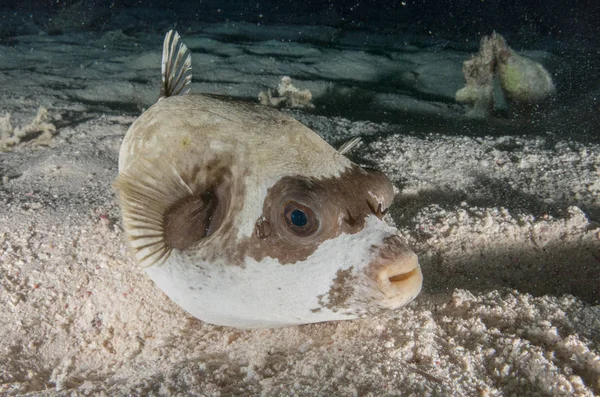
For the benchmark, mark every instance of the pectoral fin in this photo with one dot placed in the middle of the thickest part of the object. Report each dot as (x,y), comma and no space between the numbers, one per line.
(161,212)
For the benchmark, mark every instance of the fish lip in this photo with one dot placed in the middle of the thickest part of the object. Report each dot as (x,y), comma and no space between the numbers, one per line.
(400,282)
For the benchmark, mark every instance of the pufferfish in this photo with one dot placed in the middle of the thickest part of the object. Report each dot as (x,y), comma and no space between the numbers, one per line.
(246,218)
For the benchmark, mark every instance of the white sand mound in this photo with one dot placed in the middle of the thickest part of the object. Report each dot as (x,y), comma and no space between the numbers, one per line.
(79,317)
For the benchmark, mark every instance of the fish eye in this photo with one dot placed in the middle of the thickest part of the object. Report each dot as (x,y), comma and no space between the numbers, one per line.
(300,219)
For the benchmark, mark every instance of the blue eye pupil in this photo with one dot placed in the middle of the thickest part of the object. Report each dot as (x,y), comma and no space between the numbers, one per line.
(298,218)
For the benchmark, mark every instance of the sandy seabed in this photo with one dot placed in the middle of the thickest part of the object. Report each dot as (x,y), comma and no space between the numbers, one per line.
(502,226)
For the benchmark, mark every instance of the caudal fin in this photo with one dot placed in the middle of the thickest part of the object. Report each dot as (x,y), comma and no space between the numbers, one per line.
(176,66)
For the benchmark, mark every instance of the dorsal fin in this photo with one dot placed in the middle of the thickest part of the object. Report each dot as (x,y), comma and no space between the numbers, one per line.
(348,146)
(176,66)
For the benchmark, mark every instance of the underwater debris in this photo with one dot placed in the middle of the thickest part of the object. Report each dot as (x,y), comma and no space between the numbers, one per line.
(286,95)
(524,82)
(479,75)
(41,129)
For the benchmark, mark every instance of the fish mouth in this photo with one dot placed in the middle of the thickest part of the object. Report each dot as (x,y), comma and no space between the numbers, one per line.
(400,281)
(399,278)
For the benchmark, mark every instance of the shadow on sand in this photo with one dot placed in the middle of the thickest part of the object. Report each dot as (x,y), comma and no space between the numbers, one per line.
(560,266)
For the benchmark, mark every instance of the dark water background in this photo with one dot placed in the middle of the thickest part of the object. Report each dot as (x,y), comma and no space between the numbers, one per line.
(570,31)
(532,21)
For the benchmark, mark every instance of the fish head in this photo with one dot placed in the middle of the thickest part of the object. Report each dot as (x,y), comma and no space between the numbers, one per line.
(335,253)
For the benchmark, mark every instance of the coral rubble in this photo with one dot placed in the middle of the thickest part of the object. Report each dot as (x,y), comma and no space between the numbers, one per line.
(524,82)
(287,96)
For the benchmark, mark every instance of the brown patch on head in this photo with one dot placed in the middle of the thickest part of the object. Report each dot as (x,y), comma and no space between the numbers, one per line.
(340,292)
(300,213)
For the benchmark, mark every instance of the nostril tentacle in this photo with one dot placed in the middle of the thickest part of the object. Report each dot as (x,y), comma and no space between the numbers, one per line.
(382,211)
(378,211)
